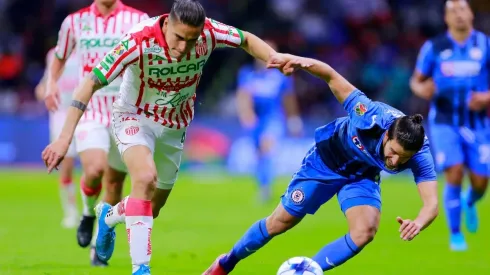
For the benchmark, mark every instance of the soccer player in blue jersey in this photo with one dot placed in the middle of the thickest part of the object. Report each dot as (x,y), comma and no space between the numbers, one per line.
(452,72)
(349,154)
(261,96)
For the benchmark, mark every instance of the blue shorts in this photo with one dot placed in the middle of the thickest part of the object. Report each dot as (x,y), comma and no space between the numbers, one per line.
(272,127)
(460,145)
(315,184)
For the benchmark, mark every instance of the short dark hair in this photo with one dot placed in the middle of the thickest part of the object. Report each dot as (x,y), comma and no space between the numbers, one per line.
(189,12)
(408,131)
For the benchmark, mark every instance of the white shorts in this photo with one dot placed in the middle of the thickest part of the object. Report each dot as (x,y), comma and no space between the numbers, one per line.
(166,144)
(94,135)
(56,122)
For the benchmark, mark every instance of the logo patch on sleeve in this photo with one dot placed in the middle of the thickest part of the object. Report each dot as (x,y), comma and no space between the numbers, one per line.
(360,109)
(297,196)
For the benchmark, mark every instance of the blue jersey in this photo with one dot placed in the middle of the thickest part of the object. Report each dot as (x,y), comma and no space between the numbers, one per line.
(352,146)
(457,70)
(267,87)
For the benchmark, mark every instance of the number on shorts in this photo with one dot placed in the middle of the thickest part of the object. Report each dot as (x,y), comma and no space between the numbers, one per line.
(484,153)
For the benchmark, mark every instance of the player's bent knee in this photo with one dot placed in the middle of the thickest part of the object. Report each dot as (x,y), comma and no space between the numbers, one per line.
(455,174)
(93,171)
(145,181)
(363,234)
(280,221)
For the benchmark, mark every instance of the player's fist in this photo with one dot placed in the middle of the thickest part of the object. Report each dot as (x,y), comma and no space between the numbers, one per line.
(428,88)
(408,229)
(52,96)
(54,154)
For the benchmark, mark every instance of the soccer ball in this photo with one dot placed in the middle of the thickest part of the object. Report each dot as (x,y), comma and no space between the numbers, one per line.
(300,266)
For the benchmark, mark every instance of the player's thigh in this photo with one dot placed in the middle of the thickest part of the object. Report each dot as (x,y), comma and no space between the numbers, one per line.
(312,186)
(477,151)
(136,143)
(169,147)
(271,132)
(447,146)
(363,192)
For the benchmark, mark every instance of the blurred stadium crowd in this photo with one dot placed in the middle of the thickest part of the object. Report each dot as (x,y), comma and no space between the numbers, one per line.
(373,44)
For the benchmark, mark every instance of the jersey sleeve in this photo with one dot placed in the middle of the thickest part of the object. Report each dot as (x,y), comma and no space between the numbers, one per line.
(125,53)
(422,165)
(66,39)
(225,35)
(425,60)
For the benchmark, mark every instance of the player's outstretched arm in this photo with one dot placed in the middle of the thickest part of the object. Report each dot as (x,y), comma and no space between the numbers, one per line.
(341,88)
(257,47)
(410,229)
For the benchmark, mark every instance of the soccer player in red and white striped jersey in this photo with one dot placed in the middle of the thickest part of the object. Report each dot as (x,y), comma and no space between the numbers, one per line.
(92,32)
(161,60)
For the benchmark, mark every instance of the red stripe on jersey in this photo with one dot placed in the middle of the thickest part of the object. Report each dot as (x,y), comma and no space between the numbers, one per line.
(100,108)
(107,113)
(113,26)
(147,110)
(167,54)
(229,43)
(213,39)
(92,107)
(66,43)
(188,109)
(163,116)
(155,113)
(182,114)
(119,60)
(150,59)
(142,85)
(177,121)
(171,125)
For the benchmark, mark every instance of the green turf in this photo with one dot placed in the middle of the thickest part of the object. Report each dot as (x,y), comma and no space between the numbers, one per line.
(201,221)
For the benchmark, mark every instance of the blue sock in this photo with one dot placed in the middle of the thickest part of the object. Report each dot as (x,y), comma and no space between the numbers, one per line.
(255,238)
(264,170)
(452,205)
(336,253)
(474,196)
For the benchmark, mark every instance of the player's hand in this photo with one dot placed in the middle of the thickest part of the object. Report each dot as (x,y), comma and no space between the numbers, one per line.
(478,101)
(278,60)
(52,96)
(54,154)
(248,122)
(429,89)
(295,64)
(408,229)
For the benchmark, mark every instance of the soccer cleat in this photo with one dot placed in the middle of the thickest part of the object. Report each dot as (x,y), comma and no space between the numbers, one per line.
(215,268)
(458,242)
(470,214)
(85,231)
(94,259)
(106,236)
(143,270)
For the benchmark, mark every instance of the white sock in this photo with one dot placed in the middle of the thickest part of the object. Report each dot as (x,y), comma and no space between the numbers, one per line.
(89,198)
(139,224)
(117,214)
(67,197)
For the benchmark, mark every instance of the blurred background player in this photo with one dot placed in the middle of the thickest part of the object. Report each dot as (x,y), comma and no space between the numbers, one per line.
(93,31)
(67,83)
(261,95)
(452,72)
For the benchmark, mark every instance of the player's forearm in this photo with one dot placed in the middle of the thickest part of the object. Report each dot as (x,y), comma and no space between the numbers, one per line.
(256,47)
(427,215)
(55,70)
(81,97)
(341,88)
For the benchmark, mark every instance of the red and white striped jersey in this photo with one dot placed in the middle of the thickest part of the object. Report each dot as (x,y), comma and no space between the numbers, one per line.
(155,84)
(93,35)
(68,80)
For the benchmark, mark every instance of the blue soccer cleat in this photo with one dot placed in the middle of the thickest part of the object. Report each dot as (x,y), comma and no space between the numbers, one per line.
(470,214)
(458,242)
(143,270)
(106,236)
